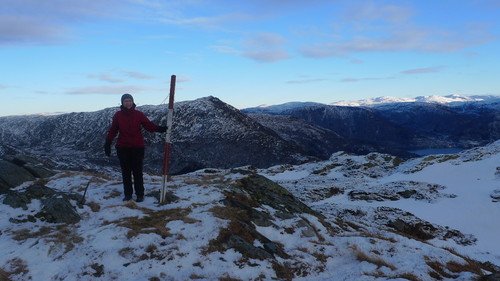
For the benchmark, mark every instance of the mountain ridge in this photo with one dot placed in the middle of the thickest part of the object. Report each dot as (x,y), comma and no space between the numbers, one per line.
(208,132)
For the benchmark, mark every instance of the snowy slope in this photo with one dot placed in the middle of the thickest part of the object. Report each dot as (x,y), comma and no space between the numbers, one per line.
(349,241)
(468,180)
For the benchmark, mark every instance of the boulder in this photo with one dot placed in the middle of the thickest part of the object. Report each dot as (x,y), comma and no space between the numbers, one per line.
(14,175)
(58,210)
(56,205)
(35,167)
(15,170)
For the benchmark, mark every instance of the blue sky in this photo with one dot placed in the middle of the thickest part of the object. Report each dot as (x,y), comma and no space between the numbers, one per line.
(81,55)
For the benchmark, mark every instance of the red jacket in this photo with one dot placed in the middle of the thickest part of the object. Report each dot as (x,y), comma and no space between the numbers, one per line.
(127,123)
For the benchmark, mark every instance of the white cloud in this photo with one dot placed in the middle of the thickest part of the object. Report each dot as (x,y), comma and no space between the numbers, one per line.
(109,90)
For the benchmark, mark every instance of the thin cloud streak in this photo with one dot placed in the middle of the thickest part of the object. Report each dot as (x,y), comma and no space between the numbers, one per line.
(305,81)
(417,40)
(423,70)
(110,90)
(105,77)
(267,55)
(365,79)
(138,75)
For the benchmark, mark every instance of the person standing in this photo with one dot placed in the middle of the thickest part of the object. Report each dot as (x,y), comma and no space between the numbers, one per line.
(127,124)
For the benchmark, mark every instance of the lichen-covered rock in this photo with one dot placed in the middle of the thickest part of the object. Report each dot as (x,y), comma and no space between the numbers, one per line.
(267,192)
(58,210)
(56,205)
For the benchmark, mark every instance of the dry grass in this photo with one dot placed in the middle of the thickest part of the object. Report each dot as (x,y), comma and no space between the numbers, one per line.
(376,260)
(154,221)
(316,231)
(408,276)
(228,278)
(113,194)
(24,234)
(94,206)
(16,266)
(230,213)
(60,234)
(4,276)
(439,270)
(470,265)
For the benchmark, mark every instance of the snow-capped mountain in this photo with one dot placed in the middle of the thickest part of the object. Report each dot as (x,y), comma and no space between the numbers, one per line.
(450,100)
(407,125)
(372,217)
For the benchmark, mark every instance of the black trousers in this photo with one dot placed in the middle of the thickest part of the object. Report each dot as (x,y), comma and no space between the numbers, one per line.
(131,162)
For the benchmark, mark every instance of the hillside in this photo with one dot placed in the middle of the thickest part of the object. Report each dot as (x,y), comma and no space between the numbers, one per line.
(398,124)
(373,217)
(206,133)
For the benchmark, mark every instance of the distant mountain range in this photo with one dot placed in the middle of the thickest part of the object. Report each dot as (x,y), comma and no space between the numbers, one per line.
(210,133)
(449,100)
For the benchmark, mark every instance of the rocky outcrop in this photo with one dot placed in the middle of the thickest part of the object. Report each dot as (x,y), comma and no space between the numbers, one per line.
(495,195)
(56,206)
(15,170)
(243,207)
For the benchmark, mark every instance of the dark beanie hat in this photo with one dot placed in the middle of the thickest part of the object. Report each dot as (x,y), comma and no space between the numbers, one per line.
(127,96)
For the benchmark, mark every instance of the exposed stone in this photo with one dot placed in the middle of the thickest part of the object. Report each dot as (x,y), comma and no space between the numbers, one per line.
(495,195)
(372,196)
(15,170)
(241,245)
(4,188)
(420,230)
(58,210)
(407,193)
(491,277)
(267,192)
(56,206)
(14,175)
(258,217)
(17,200)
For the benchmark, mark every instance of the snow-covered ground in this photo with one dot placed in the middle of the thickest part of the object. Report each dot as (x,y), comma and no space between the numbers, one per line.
(472,178)
(146,241)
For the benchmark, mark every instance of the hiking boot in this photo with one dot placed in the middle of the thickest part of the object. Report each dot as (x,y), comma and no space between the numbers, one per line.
(127,198)
(139,199)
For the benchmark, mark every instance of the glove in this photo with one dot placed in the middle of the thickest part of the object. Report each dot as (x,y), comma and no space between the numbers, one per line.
(161,129)
(107,148)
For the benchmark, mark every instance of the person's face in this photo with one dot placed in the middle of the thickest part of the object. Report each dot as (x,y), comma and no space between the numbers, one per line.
(128,103)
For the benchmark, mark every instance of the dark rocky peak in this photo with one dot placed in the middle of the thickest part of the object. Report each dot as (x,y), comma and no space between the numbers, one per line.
(360,124)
